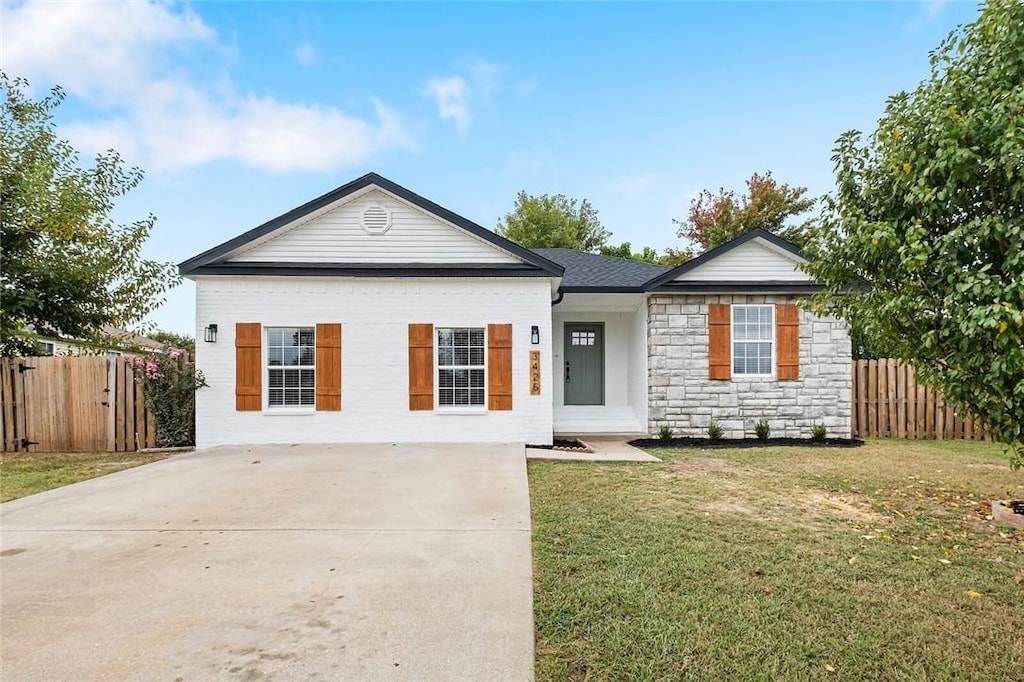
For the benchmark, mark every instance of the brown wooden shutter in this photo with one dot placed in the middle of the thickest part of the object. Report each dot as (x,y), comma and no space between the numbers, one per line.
(499,367)
(421,366)
(248,367)
(787,340)
(719,338)
(328,367)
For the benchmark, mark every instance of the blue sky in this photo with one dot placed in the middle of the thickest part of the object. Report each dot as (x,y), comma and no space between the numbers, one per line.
(241,111)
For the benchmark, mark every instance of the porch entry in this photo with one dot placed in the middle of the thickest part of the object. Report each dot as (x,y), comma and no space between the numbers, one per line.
(584,363)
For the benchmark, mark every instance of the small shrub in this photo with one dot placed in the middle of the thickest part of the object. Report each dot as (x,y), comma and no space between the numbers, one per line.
(715,431)
(818,433)
(170,381)
(665,432)
(762,429)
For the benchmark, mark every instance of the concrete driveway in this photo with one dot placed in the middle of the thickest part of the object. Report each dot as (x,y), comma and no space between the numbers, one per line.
(332,562)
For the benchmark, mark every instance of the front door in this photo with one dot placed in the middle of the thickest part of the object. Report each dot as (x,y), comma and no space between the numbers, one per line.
(584,363)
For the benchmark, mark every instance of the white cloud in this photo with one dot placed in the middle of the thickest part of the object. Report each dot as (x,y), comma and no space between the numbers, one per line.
(635,185)
(451,96)
(96,50)
(479,82)
(305,54)
(120,57)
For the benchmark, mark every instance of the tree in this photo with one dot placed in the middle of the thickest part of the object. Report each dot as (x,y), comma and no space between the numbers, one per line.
(174,340)
(65,268)
(717,219)
(625,250)
(922,244)
(553,222)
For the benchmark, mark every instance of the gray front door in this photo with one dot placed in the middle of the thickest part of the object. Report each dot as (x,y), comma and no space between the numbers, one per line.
(584,363)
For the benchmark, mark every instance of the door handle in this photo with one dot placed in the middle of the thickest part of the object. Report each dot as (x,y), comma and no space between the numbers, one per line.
(567,377)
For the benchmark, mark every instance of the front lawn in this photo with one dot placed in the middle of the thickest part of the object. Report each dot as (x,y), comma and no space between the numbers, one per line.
(27,473)
(875,563)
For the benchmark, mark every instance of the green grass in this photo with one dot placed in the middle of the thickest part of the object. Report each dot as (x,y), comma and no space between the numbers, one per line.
(875,563)
(24,474)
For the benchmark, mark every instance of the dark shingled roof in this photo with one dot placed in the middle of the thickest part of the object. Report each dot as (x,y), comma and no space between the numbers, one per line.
(592,272)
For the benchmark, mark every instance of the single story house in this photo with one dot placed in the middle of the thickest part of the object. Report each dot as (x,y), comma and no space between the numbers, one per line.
(118,342)
(373,314)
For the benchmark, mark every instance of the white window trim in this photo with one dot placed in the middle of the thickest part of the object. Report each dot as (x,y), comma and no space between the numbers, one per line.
(458,409)
(284,410)
(732,341)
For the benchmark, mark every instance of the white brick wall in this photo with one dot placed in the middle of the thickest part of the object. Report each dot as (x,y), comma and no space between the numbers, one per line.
(374,315)
(682,396)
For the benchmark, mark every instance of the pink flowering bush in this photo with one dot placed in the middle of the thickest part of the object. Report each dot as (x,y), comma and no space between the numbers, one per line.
(170,381)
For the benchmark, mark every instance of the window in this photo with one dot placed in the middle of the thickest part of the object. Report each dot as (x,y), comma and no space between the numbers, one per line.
(291,371)
(753,338)
(113,354)
(460,367)
(583,338)
(46,348)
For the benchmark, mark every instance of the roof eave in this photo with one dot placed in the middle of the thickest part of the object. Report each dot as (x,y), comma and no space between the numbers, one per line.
(773,287)
(368,270)
(584,289)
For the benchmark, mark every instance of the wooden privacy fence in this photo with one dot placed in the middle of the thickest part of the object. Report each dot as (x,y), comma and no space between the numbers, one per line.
(73,404)
(888,402)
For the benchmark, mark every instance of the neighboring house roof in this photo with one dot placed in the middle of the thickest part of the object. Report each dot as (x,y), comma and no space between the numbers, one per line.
(730,272)
(129,339)
(213,260)
(119,339)
(590,272)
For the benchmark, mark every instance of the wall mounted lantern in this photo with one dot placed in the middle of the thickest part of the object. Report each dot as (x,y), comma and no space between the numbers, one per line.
(535,335)
(210,334)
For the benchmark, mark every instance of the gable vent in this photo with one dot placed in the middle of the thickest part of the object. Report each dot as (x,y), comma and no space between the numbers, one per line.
(376,219)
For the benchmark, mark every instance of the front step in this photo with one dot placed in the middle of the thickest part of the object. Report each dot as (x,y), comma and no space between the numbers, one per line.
(599,420)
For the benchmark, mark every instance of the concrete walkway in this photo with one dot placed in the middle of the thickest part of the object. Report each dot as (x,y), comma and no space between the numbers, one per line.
(605,449)
(339,562)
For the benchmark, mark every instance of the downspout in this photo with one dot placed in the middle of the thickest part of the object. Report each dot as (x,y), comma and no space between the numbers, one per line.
(558,300)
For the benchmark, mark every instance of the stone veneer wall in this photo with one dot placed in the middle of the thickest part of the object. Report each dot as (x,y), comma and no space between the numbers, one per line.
(681,395)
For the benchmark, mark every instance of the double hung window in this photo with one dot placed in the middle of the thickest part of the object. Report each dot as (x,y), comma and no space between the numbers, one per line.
(460,366)
(291,367)
(753,339)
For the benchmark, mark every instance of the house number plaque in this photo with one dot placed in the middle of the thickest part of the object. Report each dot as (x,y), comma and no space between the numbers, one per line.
(534,372)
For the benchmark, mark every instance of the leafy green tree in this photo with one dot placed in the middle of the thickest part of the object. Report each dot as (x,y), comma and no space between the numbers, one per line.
(715,219)
(625,250)
(923,243)
(65,268)
(553,222)
(174,340)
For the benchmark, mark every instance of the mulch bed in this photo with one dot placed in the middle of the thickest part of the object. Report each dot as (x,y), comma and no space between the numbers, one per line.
(745,443)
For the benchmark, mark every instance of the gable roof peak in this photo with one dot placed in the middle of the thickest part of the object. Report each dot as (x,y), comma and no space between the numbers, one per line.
(774,240)
(218,253)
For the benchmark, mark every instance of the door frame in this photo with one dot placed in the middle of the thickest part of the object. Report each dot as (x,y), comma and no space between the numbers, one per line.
(566,339)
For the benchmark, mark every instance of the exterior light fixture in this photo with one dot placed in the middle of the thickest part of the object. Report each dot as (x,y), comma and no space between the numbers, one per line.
(535,335)
(210,334)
